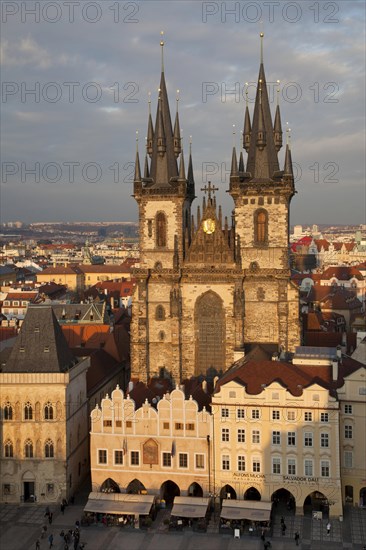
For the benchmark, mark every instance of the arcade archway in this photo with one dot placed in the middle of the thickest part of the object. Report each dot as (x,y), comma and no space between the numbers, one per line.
(252,494)
(228,492)
(363,496)
(168,491)
(135,487)
(195,490)
(316,502)
(110,486)
(348,494)
(283,501)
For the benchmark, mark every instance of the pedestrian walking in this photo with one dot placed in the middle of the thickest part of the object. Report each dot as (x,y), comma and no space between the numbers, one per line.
(283,529)
(50,516)
(297,538)
(328,528)
(62,508)
(38,544)
(47,512)
(50,540)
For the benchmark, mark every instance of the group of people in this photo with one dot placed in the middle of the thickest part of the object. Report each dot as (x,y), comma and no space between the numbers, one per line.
(69,537)
(72,535)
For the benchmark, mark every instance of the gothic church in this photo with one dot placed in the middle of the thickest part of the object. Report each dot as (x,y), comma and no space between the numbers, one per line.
(209,290)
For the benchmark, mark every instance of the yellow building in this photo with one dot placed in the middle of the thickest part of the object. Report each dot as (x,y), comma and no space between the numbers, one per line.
(276,432)
(164,450)
(352,437)
(44,414)
(72,277)
(93,274)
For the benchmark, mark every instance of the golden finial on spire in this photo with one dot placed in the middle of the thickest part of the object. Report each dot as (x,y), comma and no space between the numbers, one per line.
(162,50)
(177,99)
(137,141)
(288,135)
(246,94)
(149,101)
(234,134)
(261,35)
(190,145)
(278,92)
(260,91)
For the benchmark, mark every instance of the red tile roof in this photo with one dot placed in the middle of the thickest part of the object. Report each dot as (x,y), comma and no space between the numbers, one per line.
(21,295)
(109,268)
(254,374)
(342,273)
(321,243)
(60,270)
(330,339)
(333,297)
(92,335)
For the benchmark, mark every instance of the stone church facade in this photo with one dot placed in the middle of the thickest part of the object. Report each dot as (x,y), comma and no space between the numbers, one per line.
(209,290)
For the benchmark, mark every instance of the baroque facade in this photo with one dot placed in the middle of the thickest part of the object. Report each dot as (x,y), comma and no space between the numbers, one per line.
(209,289)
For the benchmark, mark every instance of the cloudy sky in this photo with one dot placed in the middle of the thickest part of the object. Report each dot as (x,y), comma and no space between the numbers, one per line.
(75,84)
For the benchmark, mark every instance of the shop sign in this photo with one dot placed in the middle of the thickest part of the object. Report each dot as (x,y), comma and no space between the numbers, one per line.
(298,479)
(249,475)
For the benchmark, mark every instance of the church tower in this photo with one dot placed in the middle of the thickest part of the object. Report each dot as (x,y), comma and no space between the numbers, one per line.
(262,192)
(164,196)
(209,290)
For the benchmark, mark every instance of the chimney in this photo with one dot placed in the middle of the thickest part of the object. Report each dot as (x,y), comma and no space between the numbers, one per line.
(334,370)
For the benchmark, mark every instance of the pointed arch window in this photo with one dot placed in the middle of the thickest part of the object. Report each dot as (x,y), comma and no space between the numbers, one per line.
(28,411)
(161,230)
(261,226)
(8,411)
(28,449)
(48,411)
(160,313)
(49,449)
(8,449)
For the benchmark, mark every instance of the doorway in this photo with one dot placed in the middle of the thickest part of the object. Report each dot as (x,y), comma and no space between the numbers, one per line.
(28,491)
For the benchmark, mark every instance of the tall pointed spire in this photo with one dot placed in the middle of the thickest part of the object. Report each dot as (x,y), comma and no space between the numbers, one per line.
(150,131)
(177,136)
(262,155)
(288,169)
(163,168)
(137,161)
(277,122)
(247,124)
(190,176)
(182,172)
(146,168)
(234,162)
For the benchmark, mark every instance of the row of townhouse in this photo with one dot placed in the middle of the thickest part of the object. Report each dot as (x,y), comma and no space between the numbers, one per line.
(273,430)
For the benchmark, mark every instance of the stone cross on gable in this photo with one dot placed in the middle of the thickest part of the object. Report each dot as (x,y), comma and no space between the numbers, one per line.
(209,189)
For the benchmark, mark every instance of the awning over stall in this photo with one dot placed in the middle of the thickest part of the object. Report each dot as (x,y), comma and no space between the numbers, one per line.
(246,509)
(118,503)
(190,507)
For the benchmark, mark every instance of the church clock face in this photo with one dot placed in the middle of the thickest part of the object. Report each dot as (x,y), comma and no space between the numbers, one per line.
(209,226)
